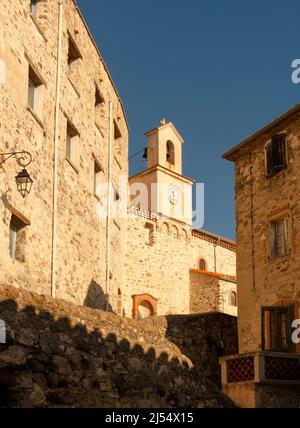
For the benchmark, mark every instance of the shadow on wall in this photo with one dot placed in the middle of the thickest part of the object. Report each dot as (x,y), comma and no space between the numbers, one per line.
(96,298)
(204,338)
(49,362)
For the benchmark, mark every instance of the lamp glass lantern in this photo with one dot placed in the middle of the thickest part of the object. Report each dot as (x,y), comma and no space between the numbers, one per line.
(24,182)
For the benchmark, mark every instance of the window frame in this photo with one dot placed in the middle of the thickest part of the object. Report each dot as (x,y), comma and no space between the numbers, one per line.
(33,8)
(170,152)
(271,152)
(274,247)
(100,170)
(35,92)
(72,138)
(270,318)
(233,294)
(74,55)
(16,225)
(201,259)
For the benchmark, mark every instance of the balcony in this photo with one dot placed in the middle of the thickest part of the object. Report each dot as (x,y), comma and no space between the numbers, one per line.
(252,380)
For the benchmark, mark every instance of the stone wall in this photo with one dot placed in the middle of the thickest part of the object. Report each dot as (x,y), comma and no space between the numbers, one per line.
(61,355)
(81,237)
(263,280)
(211,292)
(159,256)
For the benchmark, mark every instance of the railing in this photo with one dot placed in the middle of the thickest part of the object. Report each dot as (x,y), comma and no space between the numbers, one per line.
(261,367)
(143,213)
(214,240)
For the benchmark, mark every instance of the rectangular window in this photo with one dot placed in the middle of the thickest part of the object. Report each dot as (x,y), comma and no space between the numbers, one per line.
(72,144)
(277,329)
(117,132)
(35,87)
(74,57)
(33,7)
(17,238)
(99,107)
(276,158)
(98,174)
(279,238)
(99,100)
(116,195)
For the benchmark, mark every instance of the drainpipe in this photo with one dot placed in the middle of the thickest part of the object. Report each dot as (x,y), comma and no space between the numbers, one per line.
(252,222)
(215,258)
(108,217)
(56,141)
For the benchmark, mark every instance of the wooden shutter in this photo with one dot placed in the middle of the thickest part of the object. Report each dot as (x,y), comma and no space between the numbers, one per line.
(279,151)
(286,236)
(269,159)
(272,240)
(277,328)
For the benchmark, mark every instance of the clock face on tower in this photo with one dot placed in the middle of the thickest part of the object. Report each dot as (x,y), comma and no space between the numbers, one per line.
(173,195)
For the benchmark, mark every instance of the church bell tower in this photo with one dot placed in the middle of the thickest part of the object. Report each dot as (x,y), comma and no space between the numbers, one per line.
(169,192)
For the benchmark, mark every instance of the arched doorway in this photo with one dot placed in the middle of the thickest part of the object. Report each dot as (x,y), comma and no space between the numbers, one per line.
(144,306)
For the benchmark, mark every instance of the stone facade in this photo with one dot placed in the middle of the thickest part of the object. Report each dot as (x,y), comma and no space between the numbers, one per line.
(159,257)
(61,355)
(31,39)
(59,103)
(162,246)
(268,256)
(212,292)
(264,280)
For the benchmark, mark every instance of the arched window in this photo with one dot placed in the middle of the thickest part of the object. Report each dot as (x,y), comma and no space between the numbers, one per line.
(202,264)
(233,298)
(170,152)
(144,306)
(145,310)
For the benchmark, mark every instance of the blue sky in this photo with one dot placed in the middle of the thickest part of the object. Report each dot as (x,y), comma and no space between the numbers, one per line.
(219,70)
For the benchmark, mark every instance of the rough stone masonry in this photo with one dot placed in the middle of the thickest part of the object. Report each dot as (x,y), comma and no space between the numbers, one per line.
(61,355)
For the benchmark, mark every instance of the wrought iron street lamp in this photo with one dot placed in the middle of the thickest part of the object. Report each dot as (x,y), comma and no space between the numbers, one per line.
(23,179)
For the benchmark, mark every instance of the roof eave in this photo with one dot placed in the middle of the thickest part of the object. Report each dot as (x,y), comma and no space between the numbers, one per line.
(229,155)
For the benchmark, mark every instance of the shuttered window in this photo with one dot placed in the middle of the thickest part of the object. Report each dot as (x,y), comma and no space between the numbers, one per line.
(276,159)
(277,329)
(279,238)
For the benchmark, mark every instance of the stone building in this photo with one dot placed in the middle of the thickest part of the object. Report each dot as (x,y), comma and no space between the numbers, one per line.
(171,267)
(267,164)
(58,102)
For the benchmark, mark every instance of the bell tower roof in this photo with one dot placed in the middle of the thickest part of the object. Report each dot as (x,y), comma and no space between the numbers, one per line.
(164,147)
(164,124)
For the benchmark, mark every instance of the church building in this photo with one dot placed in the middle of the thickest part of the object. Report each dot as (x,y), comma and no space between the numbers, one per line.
(172,268)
